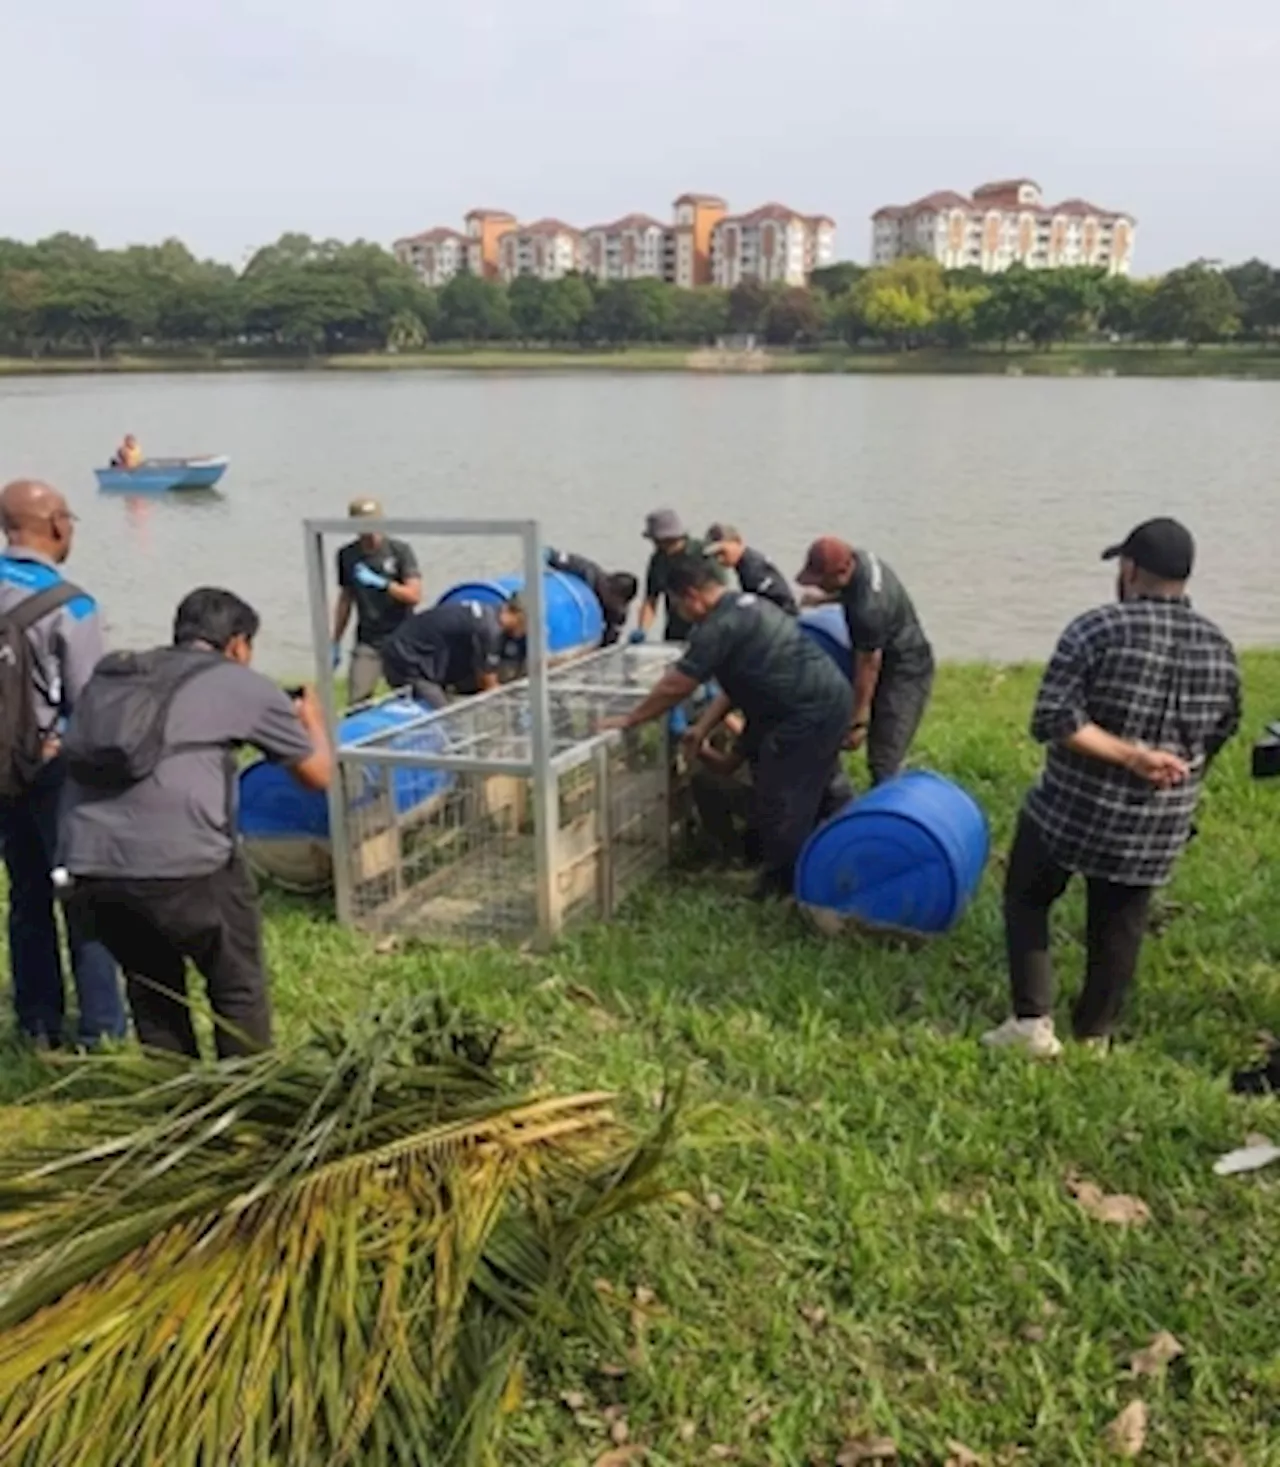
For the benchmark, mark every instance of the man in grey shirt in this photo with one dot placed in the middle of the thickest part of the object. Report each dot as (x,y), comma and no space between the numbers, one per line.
(64,645)
(157,872)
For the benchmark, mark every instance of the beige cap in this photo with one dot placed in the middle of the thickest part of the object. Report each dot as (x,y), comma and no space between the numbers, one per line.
(366,509)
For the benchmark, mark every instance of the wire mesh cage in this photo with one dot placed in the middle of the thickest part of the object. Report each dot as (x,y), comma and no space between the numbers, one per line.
(440,819)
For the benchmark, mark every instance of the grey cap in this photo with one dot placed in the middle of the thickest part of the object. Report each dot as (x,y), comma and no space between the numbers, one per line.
(664,524)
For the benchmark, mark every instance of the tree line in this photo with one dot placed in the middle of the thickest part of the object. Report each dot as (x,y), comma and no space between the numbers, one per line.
(64,295)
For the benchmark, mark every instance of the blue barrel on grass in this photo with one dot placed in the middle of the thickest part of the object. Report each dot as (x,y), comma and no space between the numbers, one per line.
(827,627)
(908,857)
(286,828)
(575,618)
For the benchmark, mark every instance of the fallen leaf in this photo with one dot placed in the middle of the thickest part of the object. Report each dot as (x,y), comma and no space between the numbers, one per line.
(1163,1348)
(958,1455)
(612,1370)
(688,1430)
(714,1202)
(718,1452)
(385,945)
(603,1286)
(619,1431)
(614,1413)
(573,1400)
(1256,1138)
(1033,1333)
(621,1456)
(814,1315)
(1119,1209)
(1127,1434)
(867,1449)
(759,1416)
(645,1296)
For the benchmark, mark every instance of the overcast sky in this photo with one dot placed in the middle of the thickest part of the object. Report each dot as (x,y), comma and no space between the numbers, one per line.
(228,123)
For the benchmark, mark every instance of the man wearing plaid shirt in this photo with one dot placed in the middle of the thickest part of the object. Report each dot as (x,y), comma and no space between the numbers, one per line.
(1138,698)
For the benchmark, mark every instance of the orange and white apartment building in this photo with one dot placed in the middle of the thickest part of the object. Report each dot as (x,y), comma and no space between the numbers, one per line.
(1003,224)
(704,245)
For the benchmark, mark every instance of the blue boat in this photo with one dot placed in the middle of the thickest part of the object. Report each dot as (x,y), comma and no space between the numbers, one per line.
(157,475)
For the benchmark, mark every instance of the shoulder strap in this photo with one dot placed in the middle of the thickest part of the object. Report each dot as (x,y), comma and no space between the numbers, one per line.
(40,604)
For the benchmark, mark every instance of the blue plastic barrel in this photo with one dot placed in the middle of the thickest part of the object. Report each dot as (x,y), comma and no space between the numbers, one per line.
(575,619)
(908,855)
(274,807)
(827,626)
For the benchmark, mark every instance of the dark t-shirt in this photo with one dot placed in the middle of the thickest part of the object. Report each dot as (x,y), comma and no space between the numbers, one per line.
(775,674)
(761,577)
(452,645)
(378,613)
(881,618)
(655,586)
(179,820)
(595,576)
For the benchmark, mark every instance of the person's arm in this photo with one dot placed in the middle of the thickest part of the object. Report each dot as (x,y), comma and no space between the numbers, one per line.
(1159,767)
(711,717)
(652,595)
(407,593)
(667,693)
(648,613)
(866,678)
(314,770)
(487,653)
(342,614)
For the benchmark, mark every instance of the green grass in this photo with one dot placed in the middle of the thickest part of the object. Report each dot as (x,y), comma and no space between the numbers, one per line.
(1233,360)
(859,1155)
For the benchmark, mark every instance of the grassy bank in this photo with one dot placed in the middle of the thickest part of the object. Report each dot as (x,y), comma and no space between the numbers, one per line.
(1069,361)
(880,1242)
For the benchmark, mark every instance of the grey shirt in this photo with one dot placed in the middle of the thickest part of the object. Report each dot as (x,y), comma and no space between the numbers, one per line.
(66,645)
(179,821)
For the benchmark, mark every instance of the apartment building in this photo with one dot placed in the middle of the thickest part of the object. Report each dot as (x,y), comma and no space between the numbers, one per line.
(630,248)
(548,248)
(1003,224)
(436,255)
(703,245)
(774,244)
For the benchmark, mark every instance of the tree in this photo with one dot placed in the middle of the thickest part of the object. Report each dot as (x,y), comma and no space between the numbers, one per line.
(795,316)
(956,314)
(900,302)
(1195,304)
(474,309)
(526,298)
(631,310)
(567,307)
(1257,288)
(699,317)
(749,307)
(25,316)
(1124,305)
(100,302)
(834,280)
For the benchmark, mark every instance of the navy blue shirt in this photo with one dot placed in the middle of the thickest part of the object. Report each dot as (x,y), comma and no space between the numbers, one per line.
(453,645)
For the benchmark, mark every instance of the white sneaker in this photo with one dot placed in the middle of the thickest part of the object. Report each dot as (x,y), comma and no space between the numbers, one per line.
(1036,1036)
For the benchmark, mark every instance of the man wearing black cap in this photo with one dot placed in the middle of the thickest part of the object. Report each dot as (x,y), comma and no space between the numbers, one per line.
(756,573)
(1137,699)
(377,577)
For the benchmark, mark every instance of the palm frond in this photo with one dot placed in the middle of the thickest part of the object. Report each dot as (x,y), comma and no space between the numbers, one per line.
(334,1254)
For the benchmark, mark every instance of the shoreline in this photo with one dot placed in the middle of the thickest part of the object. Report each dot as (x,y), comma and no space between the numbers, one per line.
(1237,363)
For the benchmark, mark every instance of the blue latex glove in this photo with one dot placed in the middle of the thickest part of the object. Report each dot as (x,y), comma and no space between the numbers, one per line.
(335,655)
(366,576)
(637,637)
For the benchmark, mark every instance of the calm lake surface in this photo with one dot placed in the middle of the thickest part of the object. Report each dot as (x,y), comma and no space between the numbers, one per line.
(992,497)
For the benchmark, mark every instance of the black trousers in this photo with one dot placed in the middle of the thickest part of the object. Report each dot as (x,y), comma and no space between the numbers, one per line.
(1116,924)
(726,807)
(154,927)
(421,689)
(901,698)
(791,772)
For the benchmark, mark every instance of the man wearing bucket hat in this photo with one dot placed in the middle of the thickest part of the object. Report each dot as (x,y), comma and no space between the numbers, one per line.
(892,659)
(377,577)
(671,542)
(1137,699)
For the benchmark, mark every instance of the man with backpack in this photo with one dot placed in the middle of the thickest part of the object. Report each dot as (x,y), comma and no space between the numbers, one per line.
(50,640)
(149,826)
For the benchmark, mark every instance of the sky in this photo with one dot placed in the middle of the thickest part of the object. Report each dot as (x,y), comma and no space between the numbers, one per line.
(226,124)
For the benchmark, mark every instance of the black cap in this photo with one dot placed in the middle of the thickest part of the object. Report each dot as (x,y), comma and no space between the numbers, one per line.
(1162,547)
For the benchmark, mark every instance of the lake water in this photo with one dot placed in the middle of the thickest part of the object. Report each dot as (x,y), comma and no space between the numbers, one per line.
(992,497)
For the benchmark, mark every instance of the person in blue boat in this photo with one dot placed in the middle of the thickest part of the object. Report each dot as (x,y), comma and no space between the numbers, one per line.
(795,700)
(378,578)
(128,455)
(456,646)
(61,634)
(614,590)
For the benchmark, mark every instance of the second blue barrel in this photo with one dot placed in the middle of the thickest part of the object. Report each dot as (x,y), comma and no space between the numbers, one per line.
(908,856)
(826,626)
(575,619)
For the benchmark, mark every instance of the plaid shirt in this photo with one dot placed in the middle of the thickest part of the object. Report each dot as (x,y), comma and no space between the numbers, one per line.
(1153,672)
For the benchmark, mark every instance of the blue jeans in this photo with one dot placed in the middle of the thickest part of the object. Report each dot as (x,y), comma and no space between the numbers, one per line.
(29,832)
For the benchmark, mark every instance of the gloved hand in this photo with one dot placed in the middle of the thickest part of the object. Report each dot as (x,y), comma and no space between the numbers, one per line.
(369,578)
(637,637)
(335,655)
(550,555)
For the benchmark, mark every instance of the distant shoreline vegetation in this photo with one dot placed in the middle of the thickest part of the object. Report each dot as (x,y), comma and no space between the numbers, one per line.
(66,305)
